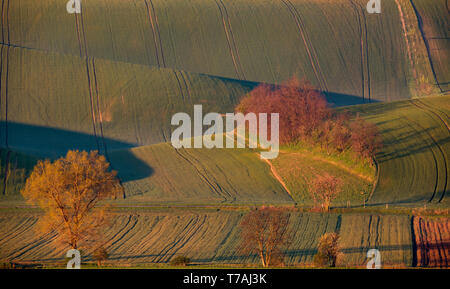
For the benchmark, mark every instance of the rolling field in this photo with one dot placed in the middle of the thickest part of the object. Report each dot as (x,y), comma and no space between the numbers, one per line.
(53,102)
(414,163)
(111,78)
(348,52)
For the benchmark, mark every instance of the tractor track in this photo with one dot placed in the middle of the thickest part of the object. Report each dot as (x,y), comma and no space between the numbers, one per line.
(5,21)
(308,45)
(179,85)
(426,108)
(203,177)
(5,104)
(166,248)
(188,91)
(365,68)
(183,238)
(223,192)
(99,113)
(230,39)
(82,39)
(156,34)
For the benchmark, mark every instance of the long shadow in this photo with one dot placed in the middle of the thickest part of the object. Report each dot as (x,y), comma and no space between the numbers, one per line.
(42,142)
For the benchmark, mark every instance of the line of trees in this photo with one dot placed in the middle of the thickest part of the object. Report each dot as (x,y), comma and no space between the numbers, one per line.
(305,116)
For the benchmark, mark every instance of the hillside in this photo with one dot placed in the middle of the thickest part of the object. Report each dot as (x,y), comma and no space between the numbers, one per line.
(414,163)
(53,102)
(337,45)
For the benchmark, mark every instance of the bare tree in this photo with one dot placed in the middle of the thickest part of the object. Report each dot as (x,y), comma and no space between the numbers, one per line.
(265,232)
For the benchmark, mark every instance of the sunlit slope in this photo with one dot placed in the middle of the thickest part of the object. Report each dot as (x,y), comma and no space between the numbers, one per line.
(435,23)
(414,163)
(53,102)
(213,238)
(335,44)
(298,169)
(161,174)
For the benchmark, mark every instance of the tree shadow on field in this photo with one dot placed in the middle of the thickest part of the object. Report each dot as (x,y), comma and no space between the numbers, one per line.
(40,142)
(336,99)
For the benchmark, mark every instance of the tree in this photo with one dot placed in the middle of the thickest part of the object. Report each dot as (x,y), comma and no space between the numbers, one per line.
(264,232)
(68,191)
(365,138)
(324,189)
(100,254)
(301,107)
(328,250)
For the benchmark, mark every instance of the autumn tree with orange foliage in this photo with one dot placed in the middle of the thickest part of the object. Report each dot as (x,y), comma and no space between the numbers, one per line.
(68,191)
(324,189)
(264,232)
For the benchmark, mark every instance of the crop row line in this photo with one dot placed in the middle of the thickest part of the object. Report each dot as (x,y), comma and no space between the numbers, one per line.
(156,34)
(203,176)
(436,143)
(8,151)
(7,21)
(425,108)
(427,45)
(92,81)
(365,67)
(313,58)
(230,39)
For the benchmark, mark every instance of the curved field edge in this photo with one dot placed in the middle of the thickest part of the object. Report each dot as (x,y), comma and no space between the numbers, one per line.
(213,238)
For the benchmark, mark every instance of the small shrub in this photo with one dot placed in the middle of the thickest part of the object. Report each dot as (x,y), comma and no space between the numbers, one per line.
(180,261)
(328,250)
(100,255)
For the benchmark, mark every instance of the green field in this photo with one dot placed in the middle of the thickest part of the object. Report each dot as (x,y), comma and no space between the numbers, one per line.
(337,45)
(196,176)
(55,104)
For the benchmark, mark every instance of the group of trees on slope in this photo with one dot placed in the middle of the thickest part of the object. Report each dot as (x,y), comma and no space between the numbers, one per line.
(306,117)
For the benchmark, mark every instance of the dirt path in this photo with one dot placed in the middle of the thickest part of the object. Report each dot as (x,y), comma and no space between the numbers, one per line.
(278,178)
